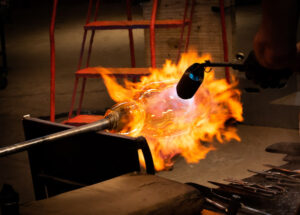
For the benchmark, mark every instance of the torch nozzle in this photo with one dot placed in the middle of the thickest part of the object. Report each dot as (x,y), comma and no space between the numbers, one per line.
(193,77)
(190,81)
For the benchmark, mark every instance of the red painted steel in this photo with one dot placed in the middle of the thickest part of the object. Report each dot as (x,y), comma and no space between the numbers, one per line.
(128,24)
(88,17)
(84,80)
(76,81)
(224,38)
(92,34)
(95,72)
(52,62)
(187,42)
(80,57)
(152,34)
(130,34)
(88,57)
(134,24)
(97,9)
(81,96)
(83,119)
(90,48)
(82,49)
(182,29)
(73,97)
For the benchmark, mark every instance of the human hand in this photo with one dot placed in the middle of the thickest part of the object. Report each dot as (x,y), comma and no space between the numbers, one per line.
(264,77)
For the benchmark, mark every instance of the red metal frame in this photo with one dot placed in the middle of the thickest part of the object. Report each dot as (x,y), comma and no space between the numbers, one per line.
(81,95)
(88,56)
(187,42)
(81,58)
(93,34)
(182,30)
(137,24)
(52,62)
(152,34)
(129,18)
(73,97)
(224,38)
(104,25)
(130,34)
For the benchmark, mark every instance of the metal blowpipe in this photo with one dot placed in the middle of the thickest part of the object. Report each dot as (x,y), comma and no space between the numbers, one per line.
(114,120)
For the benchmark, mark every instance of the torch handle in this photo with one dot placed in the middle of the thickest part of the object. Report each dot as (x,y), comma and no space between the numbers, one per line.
(99,125)
(237,66)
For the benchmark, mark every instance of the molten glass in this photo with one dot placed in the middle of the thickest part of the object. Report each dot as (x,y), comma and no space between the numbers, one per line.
(129,113)
(172,125)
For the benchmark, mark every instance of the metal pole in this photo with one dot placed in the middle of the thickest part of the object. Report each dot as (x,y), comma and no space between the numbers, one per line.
(182,29)
(152,34)
(114,120)
(224,39)
(130,34)
(52,61)
(106,123)
(187,41)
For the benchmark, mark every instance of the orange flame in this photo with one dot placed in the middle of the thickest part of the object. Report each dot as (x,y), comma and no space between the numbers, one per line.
(172,125)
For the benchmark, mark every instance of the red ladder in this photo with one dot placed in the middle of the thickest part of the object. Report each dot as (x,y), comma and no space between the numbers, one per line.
(129,24)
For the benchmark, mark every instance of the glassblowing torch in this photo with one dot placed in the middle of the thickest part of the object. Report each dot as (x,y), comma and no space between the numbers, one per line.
(194,75)
(261,76)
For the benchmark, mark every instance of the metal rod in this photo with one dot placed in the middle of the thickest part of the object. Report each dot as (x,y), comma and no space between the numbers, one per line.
(237,66)
(130,34)
(88,17)
(187,41)
(233,65)
(90,48)
(182,29)
(73,97)
(106,123)
(97,10)
(93,31)
(52,61)
(224,39)
(216,204)
(82,50)
(152,34)
(81,95)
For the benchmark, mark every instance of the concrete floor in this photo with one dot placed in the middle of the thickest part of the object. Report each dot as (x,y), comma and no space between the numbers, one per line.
(29,78)
(232,160)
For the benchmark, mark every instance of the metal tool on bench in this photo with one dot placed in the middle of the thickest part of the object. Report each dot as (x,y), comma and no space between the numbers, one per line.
(272,189)
(278,176)
(296,173)
(243,191)
(225,204)
(114,120)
